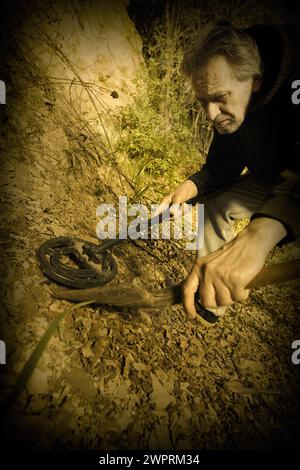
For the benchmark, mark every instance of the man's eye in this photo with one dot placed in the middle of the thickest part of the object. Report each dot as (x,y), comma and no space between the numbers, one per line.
(217,99)
(222,99)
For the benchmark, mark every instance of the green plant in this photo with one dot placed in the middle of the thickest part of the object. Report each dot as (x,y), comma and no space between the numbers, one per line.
(159,130)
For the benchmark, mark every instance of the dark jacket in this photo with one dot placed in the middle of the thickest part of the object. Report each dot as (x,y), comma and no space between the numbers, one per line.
(268,141)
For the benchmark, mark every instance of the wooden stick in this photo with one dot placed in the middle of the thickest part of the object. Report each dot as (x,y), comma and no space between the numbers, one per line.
(276,273)
(128,296)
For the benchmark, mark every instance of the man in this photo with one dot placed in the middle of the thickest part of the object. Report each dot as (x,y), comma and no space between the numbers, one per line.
(245,81)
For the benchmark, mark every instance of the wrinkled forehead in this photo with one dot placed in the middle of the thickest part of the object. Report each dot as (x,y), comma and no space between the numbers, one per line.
(206,85)
(216,75)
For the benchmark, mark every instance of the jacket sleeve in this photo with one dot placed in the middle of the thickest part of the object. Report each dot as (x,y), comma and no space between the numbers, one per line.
(222,166)
(284,205)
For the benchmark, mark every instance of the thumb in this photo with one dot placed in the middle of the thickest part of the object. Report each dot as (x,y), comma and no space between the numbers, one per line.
(176,207)
(189,289)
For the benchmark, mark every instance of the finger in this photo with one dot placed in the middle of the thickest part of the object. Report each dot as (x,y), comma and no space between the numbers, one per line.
(177,198)
(160,208)
(223,294)
(239,294)
(175,210)
(163,205)
(189,288)
(207,295)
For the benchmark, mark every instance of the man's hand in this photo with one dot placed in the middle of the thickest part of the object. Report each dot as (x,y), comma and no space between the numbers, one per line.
(222,276)
(184,192)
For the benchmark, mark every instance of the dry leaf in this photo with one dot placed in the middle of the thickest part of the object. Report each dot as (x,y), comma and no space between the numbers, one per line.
(160,396)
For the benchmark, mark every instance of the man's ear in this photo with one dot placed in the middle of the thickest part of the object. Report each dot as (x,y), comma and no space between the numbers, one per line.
(257,81)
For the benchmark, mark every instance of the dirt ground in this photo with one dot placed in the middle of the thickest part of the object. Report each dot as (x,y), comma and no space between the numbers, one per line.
(124,379)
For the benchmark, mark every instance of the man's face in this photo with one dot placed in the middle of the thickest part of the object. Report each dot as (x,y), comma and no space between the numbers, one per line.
(224,98)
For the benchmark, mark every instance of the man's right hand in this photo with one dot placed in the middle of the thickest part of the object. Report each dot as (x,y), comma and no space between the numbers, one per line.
(184,192)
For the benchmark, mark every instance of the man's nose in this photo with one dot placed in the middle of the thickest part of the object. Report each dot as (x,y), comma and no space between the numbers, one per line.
(212,110)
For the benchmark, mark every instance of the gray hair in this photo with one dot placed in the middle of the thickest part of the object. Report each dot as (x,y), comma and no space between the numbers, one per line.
(236,45)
